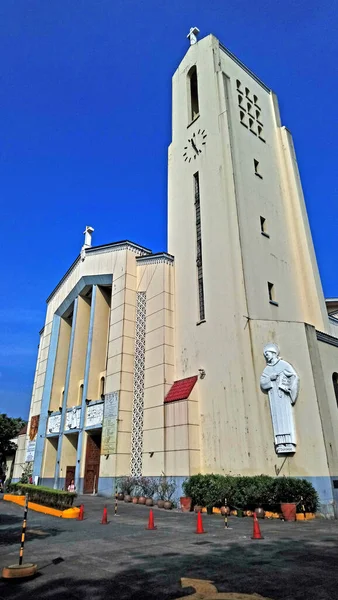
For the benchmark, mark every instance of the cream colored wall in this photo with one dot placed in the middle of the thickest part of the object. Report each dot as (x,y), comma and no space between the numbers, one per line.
(156,278)
(237,264)
(35,407)
(182,437)
(79,352)
(68,453)
(20,457)
(98,355)
(329,411)
(310,458)
(97,262)
(8,465)
(308,283)
(49,459)
(120,363)
(60,365)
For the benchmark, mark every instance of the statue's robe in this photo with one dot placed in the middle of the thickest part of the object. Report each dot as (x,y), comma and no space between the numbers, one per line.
(283,394)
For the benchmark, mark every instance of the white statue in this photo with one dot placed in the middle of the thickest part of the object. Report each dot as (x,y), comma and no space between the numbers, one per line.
(73,419)
(192,35)
(281,382)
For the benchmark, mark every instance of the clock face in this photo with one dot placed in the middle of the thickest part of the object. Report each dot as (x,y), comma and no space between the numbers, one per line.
(195,145)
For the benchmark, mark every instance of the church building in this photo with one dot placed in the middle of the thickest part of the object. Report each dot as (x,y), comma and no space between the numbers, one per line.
(219,355)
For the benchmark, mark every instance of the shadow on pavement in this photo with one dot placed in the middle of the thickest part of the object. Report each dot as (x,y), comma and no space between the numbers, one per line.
(12,535)
(282,570)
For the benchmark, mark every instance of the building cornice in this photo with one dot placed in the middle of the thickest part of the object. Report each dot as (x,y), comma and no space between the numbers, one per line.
(326,338)
(116,246)
(159,257)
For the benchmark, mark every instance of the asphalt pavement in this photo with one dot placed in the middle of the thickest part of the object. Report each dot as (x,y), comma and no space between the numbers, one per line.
(81,560)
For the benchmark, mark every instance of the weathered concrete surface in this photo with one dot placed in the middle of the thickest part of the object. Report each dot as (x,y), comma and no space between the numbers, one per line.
(124,561)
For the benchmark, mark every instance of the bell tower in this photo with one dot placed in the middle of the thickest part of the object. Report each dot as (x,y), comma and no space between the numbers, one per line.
(238,229)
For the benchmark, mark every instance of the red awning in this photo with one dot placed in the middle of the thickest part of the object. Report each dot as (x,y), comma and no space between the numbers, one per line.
(181,390)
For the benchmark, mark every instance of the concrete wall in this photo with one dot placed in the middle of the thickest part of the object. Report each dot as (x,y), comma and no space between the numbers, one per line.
(20,457)
(98,357)
(68,454)
(50,453)
(238,262)
(121,360)
(60,365)
(79,352)
(156,279)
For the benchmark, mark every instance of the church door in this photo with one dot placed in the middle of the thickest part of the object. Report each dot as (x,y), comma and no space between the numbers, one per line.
(91,476)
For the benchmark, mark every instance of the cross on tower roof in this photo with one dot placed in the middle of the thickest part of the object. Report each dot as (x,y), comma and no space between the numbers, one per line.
(192,35)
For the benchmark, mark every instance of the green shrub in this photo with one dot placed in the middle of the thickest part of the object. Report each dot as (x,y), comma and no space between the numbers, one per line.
(250,492)
(43,495)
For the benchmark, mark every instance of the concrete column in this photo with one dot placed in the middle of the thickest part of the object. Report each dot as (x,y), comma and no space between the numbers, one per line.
(64,404)
(46,397)
(85,388)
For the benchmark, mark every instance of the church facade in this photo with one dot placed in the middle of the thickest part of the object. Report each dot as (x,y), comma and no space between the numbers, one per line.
(220,355)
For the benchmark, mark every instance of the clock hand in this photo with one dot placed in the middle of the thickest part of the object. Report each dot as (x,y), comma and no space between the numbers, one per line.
(194,146)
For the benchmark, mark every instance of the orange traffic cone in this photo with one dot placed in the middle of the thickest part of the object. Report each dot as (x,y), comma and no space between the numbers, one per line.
(256,535)
(151,524)
(104,517)
(81,513)
(199,528)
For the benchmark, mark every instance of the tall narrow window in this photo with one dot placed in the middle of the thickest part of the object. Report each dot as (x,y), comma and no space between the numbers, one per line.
(102,386)
(335,385)
(199,259)
(193,89)
(272,295)
(257,169)
(80,394)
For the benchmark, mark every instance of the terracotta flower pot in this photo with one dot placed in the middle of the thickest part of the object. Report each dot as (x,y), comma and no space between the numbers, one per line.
(289,510)
(260,512)
(135,500)
(120,496)
(225,510)
(149,502)
(185,504)
(127,498)
(160,503)
(198,508)
(142,500)
(168,505)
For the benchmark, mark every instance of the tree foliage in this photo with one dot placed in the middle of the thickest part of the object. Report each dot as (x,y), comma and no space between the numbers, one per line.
(9,429)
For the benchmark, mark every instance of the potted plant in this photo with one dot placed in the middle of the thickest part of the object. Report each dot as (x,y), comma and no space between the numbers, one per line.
(140,484)
(186,501)
(125,485)
(148,487)
(166,491)
(286,495)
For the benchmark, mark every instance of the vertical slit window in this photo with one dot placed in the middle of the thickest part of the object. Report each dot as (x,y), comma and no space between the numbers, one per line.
(199,260)
(263,227)
(335,385)
(257,169)
(102,386)
(272,295)
(193,90)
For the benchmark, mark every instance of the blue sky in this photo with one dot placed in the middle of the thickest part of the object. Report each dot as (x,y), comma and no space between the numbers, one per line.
(85,101)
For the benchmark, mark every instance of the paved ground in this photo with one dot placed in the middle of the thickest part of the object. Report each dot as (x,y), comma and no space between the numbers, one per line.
(124,561)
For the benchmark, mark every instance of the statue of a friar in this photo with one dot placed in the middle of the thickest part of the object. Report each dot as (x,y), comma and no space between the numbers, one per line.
(281,382)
